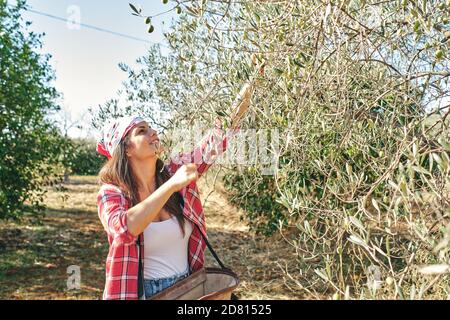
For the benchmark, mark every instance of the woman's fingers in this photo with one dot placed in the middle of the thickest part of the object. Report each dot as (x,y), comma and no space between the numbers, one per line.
(259,64)
(191,167)
(191,172)
(213,155)
(184,175)
(261,68)
(254,59)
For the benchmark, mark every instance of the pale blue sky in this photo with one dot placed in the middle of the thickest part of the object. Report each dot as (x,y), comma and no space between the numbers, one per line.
(85,60)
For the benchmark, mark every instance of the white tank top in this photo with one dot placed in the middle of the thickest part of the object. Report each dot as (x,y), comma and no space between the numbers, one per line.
(165,249)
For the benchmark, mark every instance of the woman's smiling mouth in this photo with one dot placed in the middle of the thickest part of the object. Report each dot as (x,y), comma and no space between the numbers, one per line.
(155,141)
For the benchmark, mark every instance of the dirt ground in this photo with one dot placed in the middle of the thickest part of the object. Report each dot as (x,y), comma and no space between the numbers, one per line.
(35,259)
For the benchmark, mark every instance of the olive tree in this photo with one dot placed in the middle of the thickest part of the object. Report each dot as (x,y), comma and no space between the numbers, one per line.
(359,93)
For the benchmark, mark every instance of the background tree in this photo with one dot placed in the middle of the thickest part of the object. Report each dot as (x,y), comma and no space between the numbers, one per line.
(84,160)
(29,144)
(66,121)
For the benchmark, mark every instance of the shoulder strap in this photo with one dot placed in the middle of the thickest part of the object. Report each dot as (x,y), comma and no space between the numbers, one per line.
(141,278)
(211,249)
(140,271)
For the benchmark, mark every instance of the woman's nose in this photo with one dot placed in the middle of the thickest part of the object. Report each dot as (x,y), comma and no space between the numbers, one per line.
(152,132)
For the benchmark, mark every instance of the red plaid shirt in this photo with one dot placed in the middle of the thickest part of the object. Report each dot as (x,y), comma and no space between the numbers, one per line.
(122,262)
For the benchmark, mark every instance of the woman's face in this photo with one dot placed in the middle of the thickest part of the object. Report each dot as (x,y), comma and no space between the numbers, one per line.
(143,142)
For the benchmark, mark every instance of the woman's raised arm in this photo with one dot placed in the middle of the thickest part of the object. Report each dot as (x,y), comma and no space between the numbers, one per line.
(215,142)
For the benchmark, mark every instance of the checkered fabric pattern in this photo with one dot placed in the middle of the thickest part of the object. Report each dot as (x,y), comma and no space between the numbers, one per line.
(113,133)
(122,263)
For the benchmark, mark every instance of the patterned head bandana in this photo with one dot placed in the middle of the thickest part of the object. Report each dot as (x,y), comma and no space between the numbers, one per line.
(114,132)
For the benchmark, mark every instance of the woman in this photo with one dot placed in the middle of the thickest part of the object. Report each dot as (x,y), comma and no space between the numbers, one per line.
(151,209)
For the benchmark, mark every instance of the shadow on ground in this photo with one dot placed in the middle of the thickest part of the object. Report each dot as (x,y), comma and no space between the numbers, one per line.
(34,258)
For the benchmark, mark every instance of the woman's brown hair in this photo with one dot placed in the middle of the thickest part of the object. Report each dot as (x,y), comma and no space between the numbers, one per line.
(118,171)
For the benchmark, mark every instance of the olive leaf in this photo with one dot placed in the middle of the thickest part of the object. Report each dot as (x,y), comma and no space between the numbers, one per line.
(136,10)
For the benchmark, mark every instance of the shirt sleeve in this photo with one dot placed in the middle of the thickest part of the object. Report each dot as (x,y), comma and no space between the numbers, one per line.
(214,143)
(112,212)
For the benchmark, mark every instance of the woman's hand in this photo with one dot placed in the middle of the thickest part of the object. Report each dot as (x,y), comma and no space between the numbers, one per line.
(142,214)
(260,65)
(183,176)
(242,101)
